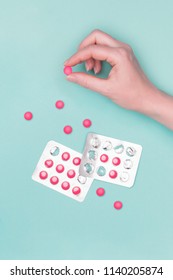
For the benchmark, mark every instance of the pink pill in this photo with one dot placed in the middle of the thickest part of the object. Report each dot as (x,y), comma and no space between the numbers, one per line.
(118,205)
(59,104)
(87,123)
(60,168)
(65,185)
(76,190)
(65,156)
(43,175)
(28,116)
(104,158)
(67,70)
(48,163)
(76,161)
(113,174)
(100,191)
(54,180)
(116,161)
(68,129)
(71,173)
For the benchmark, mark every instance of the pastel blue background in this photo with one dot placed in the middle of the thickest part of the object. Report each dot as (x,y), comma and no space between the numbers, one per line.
(36,37)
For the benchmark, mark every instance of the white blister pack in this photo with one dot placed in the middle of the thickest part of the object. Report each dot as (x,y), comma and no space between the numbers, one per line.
(58,169)
(110,160)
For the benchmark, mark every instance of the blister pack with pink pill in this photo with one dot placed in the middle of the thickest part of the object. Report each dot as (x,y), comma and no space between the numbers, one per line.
(58,169)
(110,160)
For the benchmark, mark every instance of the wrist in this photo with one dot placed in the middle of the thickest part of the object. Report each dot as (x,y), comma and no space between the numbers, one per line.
(158,106)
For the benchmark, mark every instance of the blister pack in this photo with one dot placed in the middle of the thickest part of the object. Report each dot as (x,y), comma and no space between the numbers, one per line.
(111,160)
(58,169)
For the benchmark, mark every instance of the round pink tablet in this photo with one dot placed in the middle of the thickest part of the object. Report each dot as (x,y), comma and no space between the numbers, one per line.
(76,190)
(54,180)
(65,185)
(100,191)
(60,168)
(87,123)
(67,70)
(48,163)
(118,205)
(28,116)
(113,174)
(71,173)
(76,161)
(104,158)
(59,104)
(43,175)
(65,156)
(68,129)
(116,161)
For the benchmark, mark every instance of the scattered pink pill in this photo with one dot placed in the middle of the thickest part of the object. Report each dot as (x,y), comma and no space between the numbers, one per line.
(116,161)
(68,129)
(54,180)
(43,175)
(87,123)
(76,190)
(65,156)
(28,116)
(76,161)
(60,168)
(59,104)
(100,191)
(68,70)
(48,163)
(113,174)
(118,205)
(104,158)
(65,185)
(71,173)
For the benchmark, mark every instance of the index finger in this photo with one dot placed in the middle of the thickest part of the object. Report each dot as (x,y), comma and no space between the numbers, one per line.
(93,51)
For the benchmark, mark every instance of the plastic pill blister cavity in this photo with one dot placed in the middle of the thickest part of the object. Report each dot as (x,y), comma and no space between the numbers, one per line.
(110,160)
(58,169)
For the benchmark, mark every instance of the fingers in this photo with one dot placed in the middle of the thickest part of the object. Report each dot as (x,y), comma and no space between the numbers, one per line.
(88,81)
(96,52)
(97,66)
(100,38)
(89,64)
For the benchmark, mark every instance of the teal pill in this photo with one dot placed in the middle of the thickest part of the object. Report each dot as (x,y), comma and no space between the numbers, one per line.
(101,171)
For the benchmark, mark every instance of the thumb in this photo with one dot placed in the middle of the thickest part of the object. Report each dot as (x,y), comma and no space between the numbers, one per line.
(88,81)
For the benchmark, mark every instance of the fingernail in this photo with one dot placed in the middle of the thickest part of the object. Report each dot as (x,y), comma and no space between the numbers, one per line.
(95,70)
(71,78)
(87,68)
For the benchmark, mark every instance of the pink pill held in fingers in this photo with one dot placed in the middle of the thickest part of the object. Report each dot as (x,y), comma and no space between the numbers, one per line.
(28,116)
(43,175)
(100,191)
(118,205)
(59,104)
(68,70)
(87,123)
(68,129)
(76,190)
